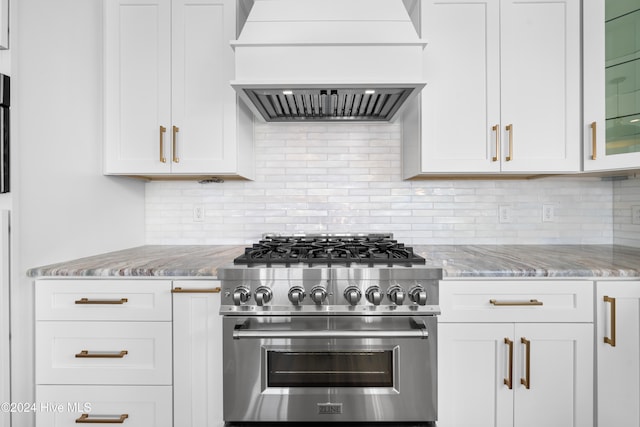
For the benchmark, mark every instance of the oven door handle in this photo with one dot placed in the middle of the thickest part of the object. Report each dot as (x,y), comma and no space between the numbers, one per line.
(329,334)
(418,330)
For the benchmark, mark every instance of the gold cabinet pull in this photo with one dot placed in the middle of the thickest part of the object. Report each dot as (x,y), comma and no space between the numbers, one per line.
(496,129)
(117,419)
(509,380)
(526,381)
(163,159)
(176,159)
(195,291)
(86,354)
(510,155)
(514,303)
(102,301)
(611,341)
(594,145)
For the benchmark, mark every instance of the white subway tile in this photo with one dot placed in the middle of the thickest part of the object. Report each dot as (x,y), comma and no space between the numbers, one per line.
(346,177)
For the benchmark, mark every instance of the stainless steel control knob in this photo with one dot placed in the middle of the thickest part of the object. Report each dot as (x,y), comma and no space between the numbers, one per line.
(318,294)
(263,295)
(374,295)
(396,294)
(296,295)
(418,295)
(241,295)
(352,294)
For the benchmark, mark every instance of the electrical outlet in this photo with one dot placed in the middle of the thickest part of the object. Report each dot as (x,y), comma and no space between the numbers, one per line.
(548,213)
(635,214)
(198,213)
(504,214)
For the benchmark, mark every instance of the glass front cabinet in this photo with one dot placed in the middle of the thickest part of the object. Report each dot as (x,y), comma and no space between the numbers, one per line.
(611,84)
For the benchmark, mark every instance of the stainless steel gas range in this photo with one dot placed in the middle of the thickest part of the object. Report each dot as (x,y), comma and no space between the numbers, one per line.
(330,328)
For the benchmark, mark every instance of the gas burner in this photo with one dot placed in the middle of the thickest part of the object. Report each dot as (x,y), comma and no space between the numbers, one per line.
(363,250)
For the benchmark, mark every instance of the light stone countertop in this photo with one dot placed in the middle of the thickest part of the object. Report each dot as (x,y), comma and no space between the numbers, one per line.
(147,261)
(455,260)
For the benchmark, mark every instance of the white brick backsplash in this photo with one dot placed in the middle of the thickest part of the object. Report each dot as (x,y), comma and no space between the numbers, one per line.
(626,193)
(346,178)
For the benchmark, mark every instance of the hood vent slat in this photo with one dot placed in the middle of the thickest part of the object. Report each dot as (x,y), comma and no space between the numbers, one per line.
(328,60)
(327,105)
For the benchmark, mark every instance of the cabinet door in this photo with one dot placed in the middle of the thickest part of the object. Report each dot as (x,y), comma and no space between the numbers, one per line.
(461,102)
(89,352)
(510,301)
(197,354)
(619,365)
(137,91)
(5,353)
(203,101)
(611,85)
(473,361)
(540,70)
(593,87)
(129,406)
(105,300)
(560,375)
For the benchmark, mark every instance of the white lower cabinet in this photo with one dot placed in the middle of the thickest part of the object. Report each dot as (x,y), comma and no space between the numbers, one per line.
(520,373)
(103,352)
(131,406)
(618,353)
(472,363)
(197,354)
(117,346)
(511,353)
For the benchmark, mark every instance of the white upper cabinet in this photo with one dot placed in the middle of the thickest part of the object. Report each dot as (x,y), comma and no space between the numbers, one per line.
(503,89)
(169,107)
(611,85)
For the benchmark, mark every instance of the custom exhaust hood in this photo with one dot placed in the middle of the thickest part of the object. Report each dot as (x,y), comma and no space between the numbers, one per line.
(328,60)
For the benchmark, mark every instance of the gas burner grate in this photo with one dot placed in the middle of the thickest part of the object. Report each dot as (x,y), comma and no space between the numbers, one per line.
(329,251)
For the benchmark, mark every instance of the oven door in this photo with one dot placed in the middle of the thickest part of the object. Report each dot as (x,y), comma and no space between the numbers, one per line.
(330,368)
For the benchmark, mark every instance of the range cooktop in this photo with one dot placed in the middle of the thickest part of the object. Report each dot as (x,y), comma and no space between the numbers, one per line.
(327,250)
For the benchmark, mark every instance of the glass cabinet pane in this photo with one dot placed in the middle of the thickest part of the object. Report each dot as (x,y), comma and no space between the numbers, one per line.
(330,369)
(622,50)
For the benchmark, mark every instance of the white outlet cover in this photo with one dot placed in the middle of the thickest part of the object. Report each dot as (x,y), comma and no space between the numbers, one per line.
(198,213)
(504,214)
(635,214)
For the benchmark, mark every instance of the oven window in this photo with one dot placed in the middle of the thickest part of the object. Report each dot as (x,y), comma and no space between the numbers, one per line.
(330,369)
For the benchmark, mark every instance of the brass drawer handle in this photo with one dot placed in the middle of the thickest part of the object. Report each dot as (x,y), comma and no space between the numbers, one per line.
(611,341)
(195,291)
(102,301)
(526,381)
(163,159)
(84,419)
(509,381)
(594,144)
(514,303)
(86,354)
(176,159)
(510,130)
(496,129)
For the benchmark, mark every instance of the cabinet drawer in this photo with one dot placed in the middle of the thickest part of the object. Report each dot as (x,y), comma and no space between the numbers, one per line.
(139,406)
(103,353)
(103,300)
(516,301)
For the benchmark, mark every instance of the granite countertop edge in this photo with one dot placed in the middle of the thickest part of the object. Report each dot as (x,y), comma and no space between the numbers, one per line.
(457,261)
